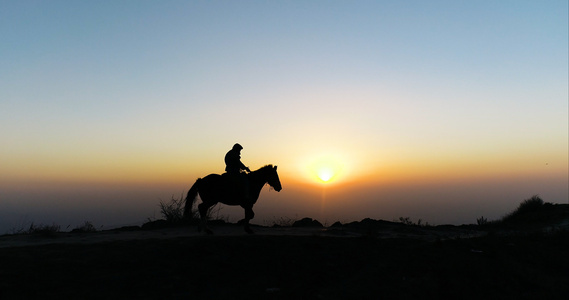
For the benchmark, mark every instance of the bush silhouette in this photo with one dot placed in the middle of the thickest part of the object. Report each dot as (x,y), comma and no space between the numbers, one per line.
(173,211)
(529,210)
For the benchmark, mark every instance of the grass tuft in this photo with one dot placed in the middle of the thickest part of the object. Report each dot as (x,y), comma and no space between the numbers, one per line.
(43,230)
(85,228)
(173,212)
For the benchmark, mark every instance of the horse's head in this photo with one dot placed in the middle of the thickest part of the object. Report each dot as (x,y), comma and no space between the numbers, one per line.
(273,178)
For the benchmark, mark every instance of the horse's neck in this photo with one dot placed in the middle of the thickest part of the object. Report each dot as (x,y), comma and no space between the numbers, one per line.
(257,180)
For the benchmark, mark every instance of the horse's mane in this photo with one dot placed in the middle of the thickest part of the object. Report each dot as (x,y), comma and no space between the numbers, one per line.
(266,167)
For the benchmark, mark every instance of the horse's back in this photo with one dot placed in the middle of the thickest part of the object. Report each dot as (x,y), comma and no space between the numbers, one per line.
(220,188)
(209,180)
(212,177)
(214,181)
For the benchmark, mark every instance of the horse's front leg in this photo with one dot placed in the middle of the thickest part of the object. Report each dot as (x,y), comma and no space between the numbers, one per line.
(249,214)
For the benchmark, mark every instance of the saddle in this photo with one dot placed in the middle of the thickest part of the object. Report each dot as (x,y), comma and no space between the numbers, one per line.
(232,180)
(237,183)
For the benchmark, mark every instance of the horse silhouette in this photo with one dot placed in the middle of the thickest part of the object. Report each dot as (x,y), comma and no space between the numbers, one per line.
(215,188)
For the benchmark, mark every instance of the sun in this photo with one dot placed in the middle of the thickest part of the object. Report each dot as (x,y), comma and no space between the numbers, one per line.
(326,169)
(325,174)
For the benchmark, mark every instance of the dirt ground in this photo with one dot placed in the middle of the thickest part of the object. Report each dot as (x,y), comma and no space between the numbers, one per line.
(378,229)
(385,261)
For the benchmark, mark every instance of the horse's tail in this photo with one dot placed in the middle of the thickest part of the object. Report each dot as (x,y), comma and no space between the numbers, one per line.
(190,199)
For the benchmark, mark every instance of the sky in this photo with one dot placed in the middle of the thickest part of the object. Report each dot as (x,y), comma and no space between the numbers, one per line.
(442,111)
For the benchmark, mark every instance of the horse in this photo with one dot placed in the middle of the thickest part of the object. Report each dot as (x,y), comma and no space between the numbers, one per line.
(215,188)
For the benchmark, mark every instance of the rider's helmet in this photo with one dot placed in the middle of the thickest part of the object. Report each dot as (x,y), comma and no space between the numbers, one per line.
(237,147)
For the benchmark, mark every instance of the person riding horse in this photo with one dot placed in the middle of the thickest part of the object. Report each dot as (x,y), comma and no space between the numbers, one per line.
(233,168)
(214,188)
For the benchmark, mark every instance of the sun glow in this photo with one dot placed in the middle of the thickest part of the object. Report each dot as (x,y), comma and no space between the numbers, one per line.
(325,174)
(326,169)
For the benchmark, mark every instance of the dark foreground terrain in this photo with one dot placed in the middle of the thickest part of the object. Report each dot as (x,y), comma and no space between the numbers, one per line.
(368,266)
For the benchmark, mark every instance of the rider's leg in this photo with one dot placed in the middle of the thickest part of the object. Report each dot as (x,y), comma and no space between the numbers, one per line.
(245,187)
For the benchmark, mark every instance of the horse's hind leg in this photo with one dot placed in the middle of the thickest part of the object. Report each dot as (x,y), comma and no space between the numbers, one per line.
(203,207)
(249,214)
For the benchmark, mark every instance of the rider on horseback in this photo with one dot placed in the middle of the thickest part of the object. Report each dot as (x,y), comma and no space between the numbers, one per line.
(233,167)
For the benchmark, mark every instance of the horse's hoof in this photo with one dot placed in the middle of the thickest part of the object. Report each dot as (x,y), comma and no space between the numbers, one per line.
(209,232)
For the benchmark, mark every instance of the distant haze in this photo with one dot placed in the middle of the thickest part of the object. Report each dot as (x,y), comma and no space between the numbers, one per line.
(439,203)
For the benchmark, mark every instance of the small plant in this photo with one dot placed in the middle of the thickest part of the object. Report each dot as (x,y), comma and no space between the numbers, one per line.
(481,221)
(214,213)
(47,230)
(20,228)
(86,227)
(173,211)
(406,220)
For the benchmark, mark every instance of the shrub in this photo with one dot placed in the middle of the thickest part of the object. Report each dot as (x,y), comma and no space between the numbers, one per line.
(481,221)
(532,204)
(406,220)
(528,206)
(173,211)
